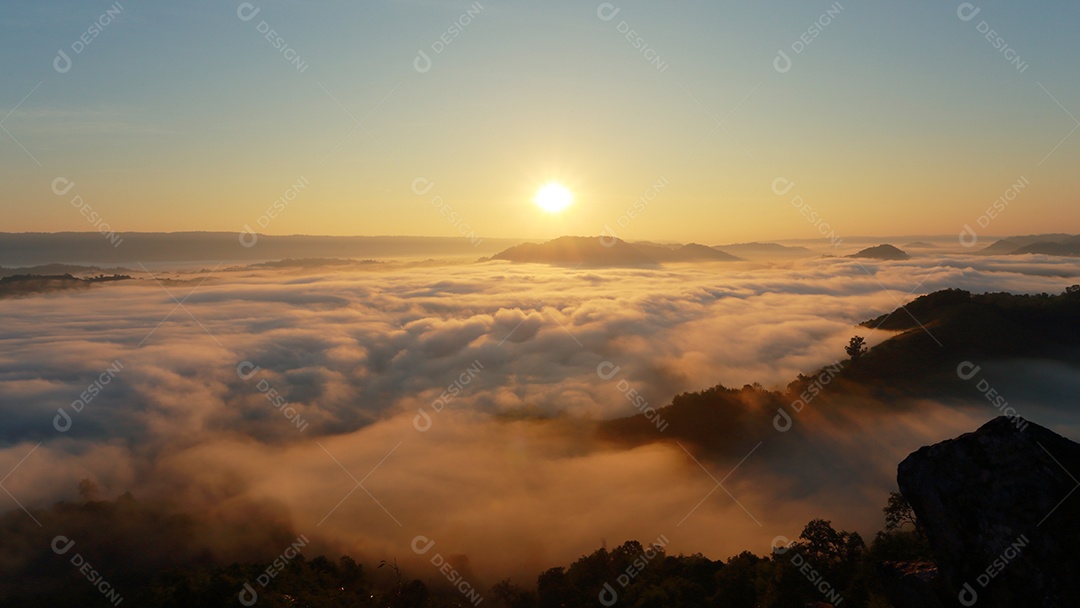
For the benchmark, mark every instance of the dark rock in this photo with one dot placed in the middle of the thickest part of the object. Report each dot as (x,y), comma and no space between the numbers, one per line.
(1000,510)
(913,585)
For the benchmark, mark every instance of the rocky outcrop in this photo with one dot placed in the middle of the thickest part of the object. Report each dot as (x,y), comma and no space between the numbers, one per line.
(912,584)
(1001,509)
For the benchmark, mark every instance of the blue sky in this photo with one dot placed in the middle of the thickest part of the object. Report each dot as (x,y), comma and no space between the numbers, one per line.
(893,118)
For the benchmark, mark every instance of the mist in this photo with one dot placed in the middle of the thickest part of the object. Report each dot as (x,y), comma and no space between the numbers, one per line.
(460,402)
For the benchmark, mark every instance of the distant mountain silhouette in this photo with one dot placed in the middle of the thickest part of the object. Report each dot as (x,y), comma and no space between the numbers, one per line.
(597,251)
(584,250)
(303,263)
(1001,247)
(765,251)
(881,252)
(26,249)
(28,284)
(920,245)
(1066,245)
(1055,237)
(59,269)
(1065,249)
(692,252)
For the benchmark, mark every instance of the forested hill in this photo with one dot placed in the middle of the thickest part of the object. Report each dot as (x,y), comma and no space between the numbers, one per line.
(936,334)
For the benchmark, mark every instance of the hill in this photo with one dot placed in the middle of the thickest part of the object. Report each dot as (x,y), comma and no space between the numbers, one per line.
(27,284)
(1045,244)
(596,251)
(582,250)
(1001,247)
(936,333)
(1065,249)
(692,252)
(60,269)
(766,251)
(881,252)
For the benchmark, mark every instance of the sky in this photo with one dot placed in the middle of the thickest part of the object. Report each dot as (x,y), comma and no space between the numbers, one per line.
(667,121)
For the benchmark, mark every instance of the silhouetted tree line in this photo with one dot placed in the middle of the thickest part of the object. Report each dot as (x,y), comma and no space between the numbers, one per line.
(822,566)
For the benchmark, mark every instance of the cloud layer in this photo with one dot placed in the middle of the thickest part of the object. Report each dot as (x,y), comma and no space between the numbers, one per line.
(200,403)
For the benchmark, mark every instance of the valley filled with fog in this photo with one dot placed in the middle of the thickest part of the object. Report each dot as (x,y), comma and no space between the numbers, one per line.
(365,405)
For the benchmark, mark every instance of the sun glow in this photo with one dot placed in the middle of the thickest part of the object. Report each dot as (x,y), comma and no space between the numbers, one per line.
(553,198)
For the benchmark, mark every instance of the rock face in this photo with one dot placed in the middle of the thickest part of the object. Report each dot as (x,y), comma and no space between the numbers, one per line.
(1002,513)
(912,585)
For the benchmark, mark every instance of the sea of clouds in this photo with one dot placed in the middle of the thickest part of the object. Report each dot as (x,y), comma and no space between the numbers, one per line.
(211,372)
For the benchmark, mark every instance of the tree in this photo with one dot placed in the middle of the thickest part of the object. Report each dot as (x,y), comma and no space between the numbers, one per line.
(898,513)
(737,581)
(506,594)
(554,590)
(856,347)
(825,545)
(88,490)
(413,595)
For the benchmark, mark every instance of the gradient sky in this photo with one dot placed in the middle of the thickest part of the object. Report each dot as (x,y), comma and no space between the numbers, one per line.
(894,120)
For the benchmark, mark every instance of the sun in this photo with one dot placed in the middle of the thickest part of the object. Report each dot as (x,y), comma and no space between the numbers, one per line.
(553,197)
